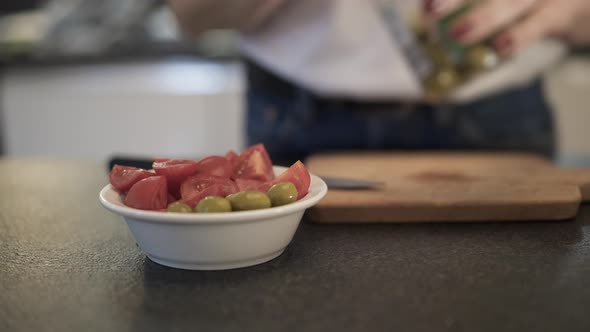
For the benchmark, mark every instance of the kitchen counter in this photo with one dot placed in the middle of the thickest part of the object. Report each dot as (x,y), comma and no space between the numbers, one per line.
(69,265)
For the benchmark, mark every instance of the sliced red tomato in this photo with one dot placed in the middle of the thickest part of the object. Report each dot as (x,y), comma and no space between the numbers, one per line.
(199,182)
(192,188)
(215,166)
(175,171)
(254,163)
(265,186)
(298,175)
(171,199)
(148,194)
(231,156)
(249,184)
(214,190)
(123,177)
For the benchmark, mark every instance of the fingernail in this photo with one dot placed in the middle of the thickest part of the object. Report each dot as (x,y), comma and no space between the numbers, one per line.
(461,30)
(504,44)
(432,6)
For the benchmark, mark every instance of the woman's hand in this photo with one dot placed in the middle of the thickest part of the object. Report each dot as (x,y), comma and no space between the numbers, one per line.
(515,24)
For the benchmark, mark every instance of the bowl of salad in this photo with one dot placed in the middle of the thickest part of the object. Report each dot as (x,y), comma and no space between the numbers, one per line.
(220,212)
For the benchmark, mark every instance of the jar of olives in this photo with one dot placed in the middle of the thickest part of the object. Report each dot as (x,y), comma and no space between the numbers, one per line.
(453,64)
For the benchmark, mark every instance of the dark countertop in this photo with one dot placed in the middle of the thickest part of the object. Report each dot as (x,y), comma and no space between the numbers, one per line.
(66,264)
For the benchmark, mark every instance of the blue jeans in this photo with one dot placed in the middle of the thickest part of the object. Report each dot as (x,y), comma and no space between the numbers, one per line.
(293,123)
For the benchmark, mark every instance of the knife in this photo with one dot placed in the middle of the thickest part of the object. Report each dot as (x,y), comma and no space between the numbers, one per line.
(351,184)
(332,182)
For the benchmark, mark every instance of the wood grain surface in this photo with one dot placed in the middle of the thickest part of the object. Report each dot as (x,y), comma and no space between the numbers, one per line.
(449,187)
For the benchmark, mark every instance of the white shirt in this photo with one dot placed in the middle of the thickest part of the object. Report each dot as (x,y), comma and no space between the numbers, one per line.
(342,48)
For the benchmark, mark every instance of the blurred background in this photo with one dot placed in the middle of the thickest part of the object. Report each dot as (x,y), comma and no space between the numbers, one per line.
(85,79)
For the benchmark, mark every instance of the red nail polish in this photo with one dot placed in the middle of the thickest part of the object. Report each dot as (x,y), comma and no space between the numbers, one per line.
(461,30)
(430,6)
(504,44)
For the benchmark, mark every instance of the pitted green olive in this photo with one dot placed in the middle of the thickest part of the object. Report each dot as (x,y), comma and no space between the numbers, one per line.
(249,200)
(213,204)
(179,207)
(482,58)
(282,193)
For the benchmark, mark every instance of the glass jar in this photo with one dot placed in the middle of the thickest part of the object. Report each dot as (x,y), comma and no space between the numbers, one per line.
(453,64)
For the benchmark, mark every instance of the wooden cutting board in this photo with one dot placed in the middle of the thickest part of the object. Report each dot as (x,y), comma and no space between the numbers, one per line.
(449,187)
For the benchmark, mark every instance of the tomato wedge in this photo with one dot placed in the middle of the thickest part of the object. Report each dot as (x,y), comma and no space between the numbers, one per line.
(175,171)
(254,163)
(231,156)
(148,194)
(215,166)
(123,177)
(248,184)
(171,199)
(298,175)
(214,190)
(194,187)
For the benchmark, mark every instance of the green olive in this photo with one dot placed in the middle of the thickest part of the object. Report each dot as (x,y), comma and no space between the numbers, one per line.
(179,207)
(442,82)
(212,204)
(249,200)
(482,58)
(282,193)
(438,54)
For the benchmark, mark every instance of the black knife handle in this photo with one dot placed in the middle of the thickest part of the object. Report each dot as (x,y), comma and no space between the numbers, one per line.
(130,161)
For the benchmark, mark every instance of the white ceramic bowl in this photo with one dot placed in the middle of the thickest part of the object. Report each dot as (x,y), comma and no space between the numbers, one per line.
(214,241)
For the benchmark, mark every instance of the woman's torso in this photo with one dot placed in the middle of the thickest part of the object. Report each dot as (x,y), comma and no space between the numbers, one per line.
(342,48)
